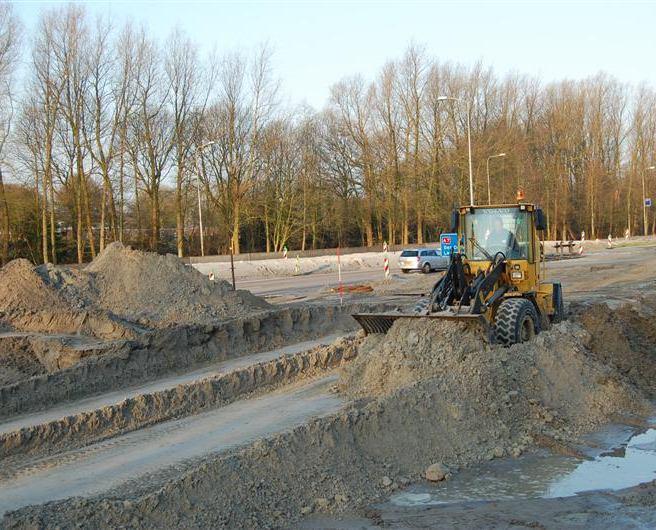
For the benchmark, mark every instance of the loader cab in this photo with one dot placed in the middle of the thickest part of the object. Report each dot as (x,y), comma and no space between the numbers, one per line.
(488,231)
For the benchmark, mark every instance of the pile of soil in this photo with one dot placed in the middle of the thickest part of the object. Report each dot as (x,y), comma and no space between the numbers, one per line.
(120,285)
(28,302)
(566,373)
(625,338)
(17,361)
(411,350)
(155,290)
(121,296)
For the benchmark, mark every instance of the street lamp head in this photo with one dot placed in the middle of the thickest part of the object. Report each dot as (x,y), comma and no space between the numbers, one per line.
(501,154)
(207,144)
(651,167)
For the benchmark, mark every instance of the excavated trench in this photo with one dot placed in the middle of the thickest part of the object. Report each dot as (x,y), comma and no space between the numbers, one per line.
(420,395)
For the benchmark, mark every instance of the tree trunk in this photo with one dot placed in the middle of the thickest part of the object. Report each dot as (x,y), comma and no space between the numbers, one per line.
(179,217)
(102,216)
(420,227)
(78,214)
(44,218)
(53,222)
(4,252)
(235,228)
(154,220)
(84,191)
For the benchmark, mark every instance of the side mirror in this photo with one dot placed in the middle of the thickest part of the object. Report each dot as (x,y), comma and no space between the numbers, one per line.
(540,220)
(455,219)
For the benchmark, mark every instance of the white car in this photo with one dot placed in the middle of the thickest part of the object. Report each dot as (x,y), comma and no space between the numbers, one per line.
(423,259)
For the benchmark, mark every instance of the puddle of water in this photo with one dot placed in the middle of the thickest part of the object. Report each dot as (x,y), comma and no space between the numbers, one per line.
(612,471)
(543,474)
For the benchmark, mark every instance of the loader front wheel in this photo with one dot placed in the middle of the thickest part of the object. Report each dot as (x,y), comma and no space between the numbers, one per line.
(516,321)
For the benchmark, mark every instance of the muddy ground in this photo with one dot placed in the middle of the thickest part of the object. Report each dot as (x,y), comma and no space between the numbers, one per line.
(378,411)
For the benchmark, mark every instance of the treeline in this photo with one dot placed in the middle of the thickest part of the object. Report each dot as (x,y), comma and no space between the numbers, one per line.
(112,135)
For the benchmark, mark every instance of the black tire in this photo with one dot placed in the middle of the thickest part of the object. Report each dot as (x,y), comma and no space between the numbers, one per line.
(422,305)
(559,305)
(405,271)
(426,268)
(516,321)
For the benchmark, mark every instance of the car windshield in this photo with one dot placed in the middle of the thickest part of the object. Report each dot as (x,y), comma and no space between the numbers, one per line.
(492,230)
(409,254)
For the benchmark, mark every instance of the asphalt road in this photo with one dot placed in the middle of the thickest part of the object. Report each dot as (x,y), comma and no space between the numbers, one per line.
(304,285)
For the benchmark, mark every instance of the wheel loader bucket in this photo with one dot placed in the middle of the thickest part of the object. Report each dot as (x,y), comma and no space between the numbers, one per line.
(382,322)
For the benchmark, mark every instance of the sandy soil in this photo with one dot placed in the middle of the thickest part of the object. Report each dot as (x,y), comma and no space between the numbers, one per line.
(425,394)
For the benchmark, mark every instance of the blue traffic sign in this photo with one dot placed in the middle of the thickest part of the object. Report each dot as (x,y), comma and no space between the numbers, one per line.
(648,203)
(449,244)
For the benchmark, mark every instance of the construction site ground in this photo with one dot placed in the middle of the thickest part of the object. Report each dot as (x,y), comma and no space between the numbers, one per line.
(172,401)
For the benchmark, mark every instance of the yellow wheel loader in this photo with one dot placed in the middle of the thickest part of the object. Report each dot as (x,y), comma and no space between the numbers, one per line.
(496,277)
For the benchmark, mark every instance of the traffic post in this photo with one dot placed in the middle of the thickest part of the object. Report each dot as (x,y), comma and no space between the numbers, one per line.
(582,242)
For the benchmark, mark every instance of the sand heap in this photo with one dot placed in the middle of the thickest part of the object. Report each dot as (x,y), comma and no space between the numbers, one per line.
(159,290)
(563,373)
(51,317)
(30,302)
(121,286)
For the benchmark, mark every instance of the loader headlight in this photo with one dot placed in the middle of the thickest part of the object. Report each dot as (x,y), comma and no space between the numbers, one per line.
(517,275)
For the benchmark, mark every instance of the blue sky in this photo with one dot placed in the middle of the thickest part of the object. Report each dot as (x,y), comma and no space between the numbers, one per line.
(317,43)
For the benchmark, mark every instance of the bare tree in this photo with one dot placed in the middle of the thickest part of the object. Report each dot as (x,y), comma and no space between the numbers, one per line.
(9,50)
(151,132)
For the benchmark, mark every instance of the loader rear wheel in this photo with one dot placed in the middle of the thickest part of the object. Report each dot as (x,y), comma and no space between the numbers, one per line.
(516,321)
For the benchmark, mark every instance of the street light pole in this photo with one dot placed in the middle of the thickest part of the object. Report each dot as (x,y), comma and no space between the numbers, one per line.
(469,147)
(487,164)
(644,201)
(200,209)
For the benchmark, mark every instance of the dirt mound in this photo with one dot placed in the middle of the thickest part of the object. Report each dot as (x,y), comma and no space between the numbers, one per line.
(429,392)
(561,371)
(27,300)
(122,295)
(121,284)
(411,350)
(625,338)
(151,288)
